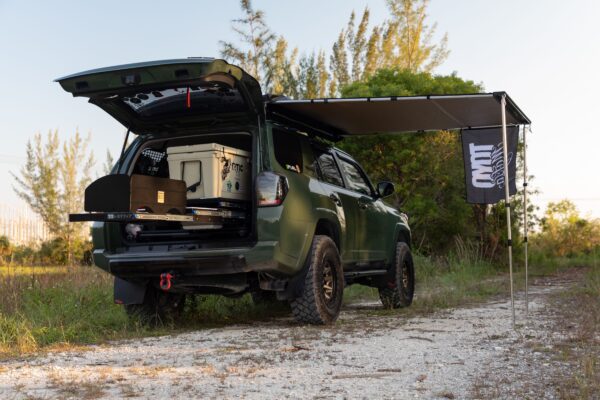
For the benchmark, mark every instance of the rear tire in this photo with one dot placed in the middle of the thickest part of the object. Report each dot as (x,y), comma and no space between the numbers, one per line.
(159,307)
(321,298)
(399,290)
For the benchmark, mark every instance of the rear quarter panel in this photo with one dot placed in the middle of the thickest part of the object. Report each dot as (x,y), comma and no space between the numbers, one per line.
(304,205)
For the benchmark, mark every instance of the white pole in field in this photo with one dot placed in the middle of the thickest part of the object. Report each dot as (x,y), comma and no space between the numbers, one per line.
(525,227)
(507,205)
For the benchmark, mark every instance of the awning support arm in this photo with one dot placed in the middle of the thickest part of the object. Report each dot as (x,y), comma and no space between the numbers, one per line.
(507,205)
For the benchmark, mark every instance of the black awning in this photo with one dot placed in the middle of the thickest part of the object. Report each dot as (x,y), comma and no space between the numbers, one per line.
(336,118)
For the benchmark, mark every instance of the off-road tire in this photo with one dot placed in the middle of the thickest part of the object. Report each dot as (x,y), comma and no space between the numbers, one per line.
(159,307)
(318,304)
(400,287)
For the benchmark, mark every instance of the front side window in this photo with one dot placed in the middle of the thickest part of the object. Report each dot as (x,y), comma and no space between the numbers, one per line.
(329,170)
(354,177)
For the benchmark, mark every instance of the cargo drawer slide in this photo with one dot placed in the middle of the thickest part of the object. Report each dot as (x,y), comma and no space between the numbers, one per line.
(194,218)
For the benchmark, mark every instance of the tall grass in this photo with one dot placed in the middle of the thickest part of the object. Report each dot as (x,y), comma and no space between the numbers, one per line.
(578,321)
(45,306)
(53,306)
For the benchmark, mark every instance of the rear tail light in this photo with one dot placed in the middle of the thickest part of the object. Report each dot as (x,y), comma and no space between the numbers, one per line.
(271,189)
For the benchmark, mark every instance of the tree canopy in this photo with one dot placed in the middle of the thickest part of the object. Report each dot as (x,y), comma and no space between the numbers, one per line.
(565,233)
(403,41)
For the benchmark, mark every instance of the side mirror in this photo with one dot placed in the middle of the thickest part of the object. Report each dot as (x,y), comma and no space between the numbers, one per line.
(385,189)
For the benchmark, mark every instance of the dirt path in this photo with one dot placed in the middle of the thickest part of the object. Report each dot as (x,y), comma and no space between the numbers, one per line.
(446,355)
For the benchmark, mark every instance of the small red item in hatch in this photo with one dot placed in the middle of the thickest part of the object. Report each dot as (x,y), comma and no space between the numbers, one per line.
(188,101)
(165,281)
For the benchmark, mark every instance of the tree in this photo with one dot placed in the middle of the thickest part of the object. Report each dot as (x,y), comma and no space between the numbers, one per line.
(5,248)
(257,38)
(75,176)
(38,183)
(338,64)
(108,163)
(565,232)
(412,48)
(322,74)
(372,55)
(308,77)
(52,183)
(403,42)
(357,41)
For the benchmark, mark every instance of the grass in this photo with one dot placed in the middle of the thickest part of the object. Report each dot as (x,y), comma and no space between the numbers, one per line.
(48,307)
(579,319)
(443,284)
(54,306)
(51,307)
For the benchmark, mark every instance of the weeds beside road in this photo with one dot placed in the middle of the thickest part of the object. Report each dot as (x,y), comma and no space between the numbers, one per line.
(44,308)
(556,356)
(578,320)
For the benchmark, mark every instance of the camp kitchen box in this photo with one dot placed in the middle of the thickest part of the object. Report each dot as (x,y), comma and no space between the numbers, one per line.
(121,193)
(211,171)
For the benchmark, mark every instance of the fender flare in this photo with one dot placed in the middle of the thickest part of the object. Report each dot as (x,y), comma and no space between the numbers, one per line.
(403,234)
(296,283)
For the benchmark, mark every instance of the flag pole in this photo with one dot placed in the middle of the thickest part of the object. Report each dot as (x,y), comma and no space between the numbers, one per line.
(525,227)
(507,205)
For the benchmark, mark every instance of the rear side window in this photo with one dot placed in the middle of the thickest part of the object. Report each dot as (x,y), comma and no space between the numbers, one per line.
(288,150)
(329,170)
(354,177)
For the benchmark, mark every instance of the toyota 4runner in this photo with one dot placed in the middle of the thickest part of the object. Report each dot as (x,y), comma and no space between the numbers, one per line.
(285,214)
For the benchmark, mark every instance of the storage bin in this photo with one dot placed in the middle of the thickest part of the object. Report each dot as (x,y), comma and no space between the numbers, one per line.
(211,171)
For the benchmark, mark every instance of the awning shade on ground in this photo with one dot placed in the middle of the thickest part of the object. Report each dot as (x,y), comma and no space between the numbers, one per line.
(363,116)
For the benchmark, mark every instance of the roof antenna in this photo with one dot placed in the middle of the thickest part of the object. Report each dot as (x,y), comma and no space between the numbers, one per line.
(123,149)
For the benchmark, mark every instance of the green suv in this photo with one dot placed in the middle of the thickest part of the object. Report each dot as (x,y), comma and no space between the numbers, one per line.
(312,224)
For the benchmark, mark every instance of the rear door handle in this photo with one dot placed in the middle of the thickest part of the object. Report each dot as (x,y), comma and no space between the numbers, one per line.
(335,199)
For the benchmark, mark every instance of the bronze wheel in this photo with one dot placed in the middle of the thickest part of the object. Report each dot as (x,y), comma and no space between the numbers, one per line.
(321,298)
(328,282)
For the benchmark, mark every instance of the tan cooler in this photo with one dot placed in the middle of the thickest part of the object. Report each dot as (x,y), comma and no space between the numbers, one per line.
(211,171)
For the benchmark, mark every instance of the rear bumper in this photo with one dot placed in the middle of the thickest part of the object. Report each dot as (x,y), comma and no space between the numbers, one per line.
(262,257)
(149,267)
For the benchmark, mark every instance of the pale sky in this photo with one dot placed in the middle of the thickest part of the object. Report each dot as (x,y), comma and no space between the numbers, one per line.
(546,55)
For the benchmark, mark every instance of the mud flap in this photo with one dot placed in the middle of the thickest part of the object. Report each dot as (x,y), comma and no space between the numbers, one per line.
(295,285)
(128,292)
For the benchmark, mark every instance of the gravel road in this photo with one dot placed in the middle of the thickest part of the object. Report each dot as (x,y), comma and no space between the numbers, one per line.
(449,354)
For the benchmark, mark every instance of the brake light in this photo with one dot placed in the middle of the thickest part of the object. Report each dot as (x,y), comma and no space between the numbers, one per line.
(271,189)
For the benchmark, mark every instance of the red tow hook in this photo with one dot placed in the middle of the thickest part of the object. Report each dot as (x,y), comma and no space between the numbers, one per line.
(165,281)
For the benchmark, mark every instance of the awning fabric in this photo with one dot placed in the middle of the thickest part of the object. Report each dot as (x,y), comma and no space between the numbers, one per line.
(337,118)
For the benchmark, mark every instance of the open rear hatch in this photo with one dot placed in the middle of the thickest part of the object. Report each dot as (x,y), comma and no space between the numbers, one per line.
(172,99)
(169,95)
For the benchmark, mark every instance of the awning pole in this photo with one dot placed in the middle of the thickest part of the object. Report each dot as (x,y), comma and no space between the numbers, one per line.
(507,205)
(525,227)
